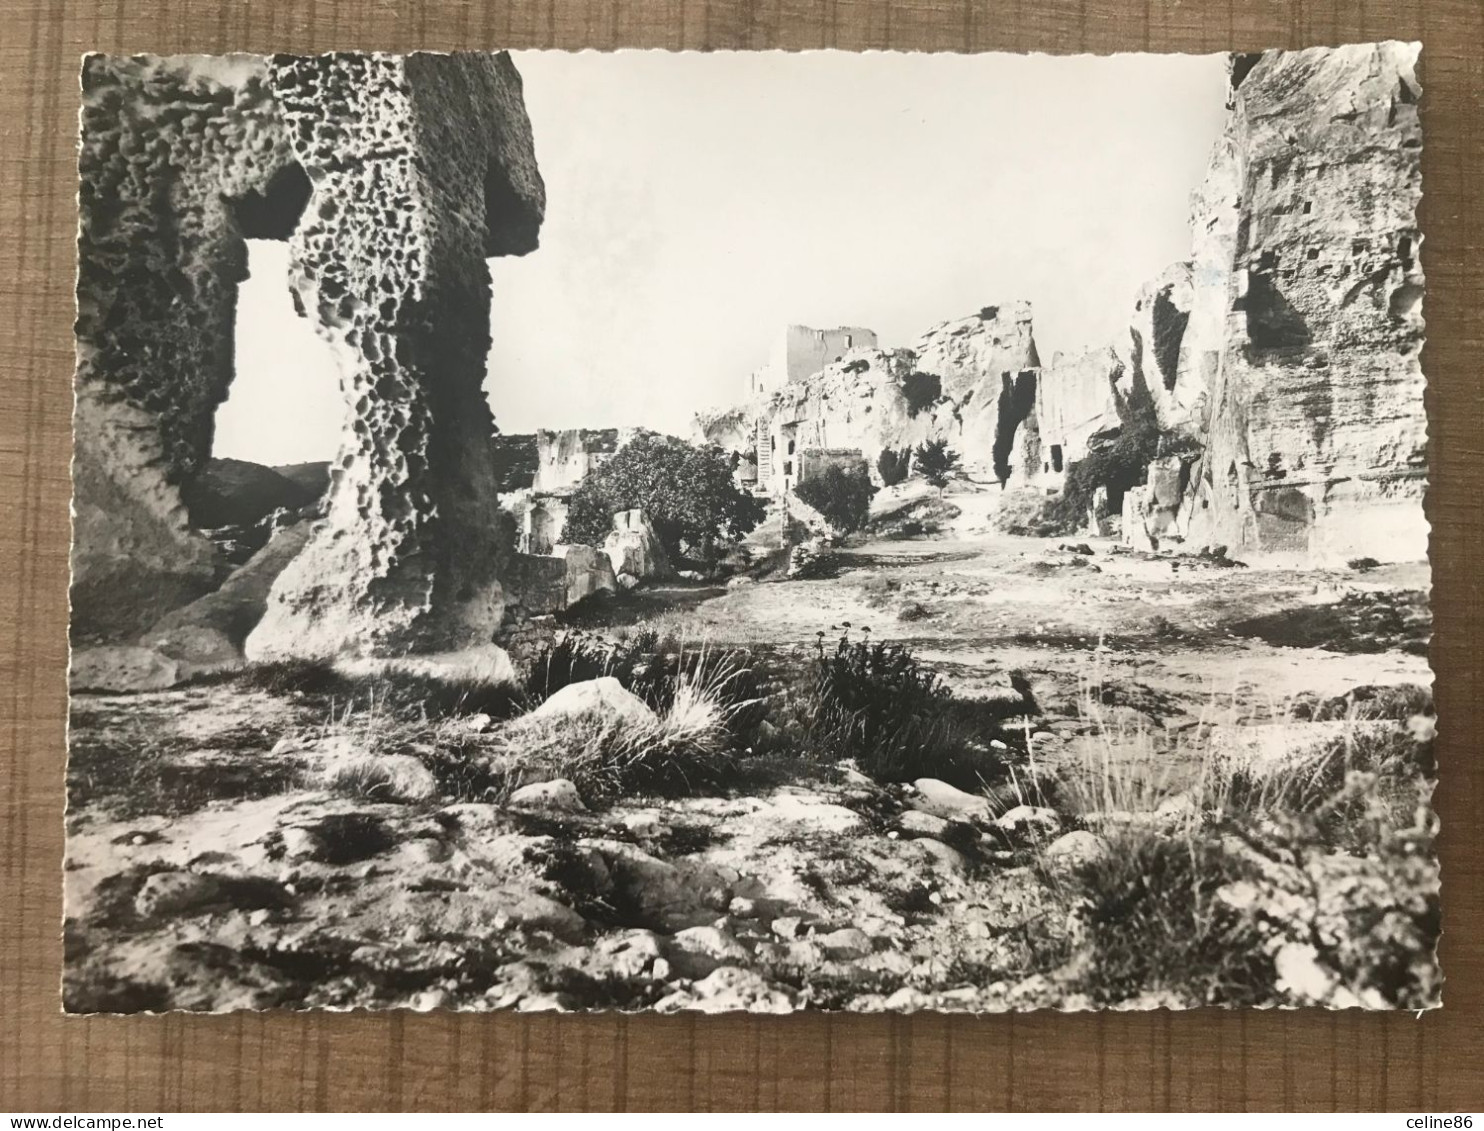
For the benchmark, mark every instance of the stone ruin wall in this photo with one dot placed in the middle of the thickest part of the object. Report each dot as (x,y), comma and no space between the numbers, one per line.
(409,171)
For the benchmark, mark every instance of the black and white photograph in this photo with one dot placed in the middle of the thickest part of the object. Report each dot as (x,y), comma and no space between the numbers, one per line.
(750,531)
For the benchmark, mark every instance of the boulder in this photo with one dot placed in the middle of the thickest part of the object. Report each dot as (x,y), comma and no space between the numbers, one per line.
(916,822)
(208,634)
(697,951)
(602,696)
(177,893)
(121,668)
(589,572)
(536,912)
(943,800)
(557,796)
(634,548)
(1074,848)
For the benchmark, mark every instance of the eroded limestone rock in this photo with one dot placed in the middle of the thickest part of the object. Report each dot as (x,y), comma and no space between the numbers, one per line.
(393,177)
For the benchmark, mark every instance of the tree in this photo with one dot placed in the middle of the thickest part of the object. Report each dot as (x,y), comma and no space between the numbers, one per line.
(893,466)
(842,496)
(936,462)
(688,493)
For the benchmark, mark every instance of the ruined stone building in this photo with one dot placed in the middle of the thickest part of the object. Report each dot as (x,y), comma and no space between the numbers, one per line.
(393,178)
(803,351)
(563,459)
(970,381)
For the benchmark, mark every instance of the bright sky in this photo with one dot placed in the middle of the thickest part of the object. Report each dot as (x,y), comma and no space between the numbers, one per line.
(697,204)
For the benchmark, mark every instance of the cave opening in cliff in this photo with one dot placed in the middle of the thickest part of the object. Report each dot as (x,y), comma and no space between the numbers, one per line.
(1272,321)
(1169,332)
(1017,401)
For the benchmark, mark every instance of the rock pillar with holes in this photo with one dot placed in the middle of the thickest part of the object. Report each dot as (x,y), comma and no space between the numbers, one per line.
(421,166)
(393,177)
(171,150)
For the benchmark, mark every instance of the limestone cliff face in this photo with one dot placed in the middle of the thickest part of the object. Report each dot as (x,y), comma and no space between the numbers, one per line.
(970,381)
(1291,399)
(1077,399)
(393,178)
(1315,431)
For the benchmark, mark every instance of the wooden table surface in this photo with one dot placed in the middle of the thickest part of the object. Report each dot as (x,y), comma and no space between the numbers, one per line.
(1203,1059)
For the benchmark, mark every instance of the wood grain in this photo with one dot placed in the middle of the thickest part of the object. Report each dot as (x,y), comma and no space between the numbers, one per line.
(1201,1060)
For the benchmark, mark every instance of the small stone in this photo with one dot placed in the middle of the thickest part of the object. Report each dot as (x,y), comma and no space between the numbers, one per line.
(428,1000)
(943,800)
(742,907)
(423,850)
(697,951)
(301,843)
(788,927)
(259,917)
(176,893)
(1076,847)
(848,942)
(914,822)
(558,795)
(1028,822)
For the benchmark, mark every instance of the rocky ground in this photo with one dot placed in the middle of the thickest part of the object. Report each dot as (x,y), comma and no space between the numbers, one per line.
(236,847)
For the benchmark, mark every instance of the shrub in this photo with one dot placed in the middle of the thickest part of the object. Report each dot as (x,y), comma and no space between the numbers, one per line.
(842,495)
(876,704)
(688,494)
(935,462)
(1155,922)
(1314,882)
(894,466)
(922,390)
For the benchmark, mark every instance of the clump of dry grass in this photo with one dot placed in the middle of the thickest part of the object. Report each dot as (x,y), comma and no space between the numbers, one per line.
(1219,891)
(685,744)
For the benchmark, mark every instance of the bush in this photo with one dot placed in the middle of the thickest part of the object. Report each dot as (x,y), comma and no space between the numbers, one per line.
(922,390)
(1312,883)
(1155,923)
(688,494)
(875,704)
(894,466)
(935,462)
(842,495)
